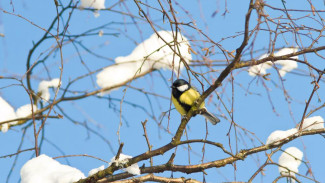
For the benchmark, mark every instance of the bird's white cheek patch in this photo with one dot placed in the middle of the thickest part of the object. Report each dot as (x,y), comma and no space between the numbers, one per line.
(182,88)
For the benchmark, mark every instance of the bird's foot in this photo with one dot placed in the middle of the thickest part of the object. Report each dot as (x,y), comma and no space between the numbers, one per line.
(184,117)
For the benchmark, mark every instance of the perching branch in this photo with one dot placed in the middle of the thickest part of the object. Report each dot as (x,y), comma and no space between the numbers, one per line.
(187,168)
(154,178)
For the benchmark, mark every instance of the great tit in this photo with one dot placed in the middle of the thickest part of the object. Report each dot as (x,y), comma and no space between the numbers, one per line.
(184,96)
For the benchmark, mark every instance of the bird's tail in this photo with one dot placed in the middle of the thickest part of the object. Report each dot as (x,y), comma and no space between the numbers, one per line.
(210,117)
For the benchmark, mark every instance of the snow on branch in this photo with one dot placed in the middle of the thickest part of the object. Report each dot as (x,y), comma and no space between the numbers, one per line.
(95,170)
(43,88)
(153,53)
(122,160)
(25,110)
(312,123)
(96,4)
(279,135)
(287,65)
(7,113)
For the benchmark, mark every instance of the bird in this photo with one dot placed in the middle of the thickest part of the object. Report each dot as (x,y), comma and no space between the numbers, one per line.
(183,98)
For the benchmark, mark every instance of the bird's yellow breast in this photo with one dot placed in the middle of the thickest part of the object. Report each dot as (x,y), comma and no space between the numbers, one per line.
(178,106)
(188,98)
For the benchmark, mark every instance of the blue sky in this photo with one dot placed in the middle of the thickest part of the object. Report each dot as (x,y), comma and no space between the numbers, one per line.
(251,111)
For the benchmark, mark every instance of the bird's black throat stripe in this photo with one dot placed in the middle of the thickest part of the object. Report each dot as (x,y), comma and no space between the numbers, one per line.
(185,106)
(177,95)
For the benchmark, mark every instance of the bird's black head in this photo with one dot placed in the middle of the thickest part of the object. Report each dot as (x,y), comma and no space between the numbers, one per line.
(179,86)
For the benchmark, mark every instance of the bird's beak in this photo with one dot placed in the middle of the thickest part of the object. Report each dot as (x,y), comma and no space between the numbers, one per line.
(172,86)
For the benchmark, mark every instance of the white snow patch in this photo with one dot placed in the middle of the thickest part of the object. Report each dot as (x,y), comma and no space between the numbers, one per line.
(6,113)
(43,88)
(118,74)
(96,4)
(153,53)
(123,159)
(47,170)
(95,170)
(158,54)
(313,123)
(4,127)
(25,110)
(260,69)
(290,159)
(287,65)
(279,135)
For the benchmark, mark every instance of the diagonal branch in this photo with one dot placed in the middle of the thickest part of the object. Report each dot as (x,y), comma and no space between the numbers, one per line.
(221,77)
